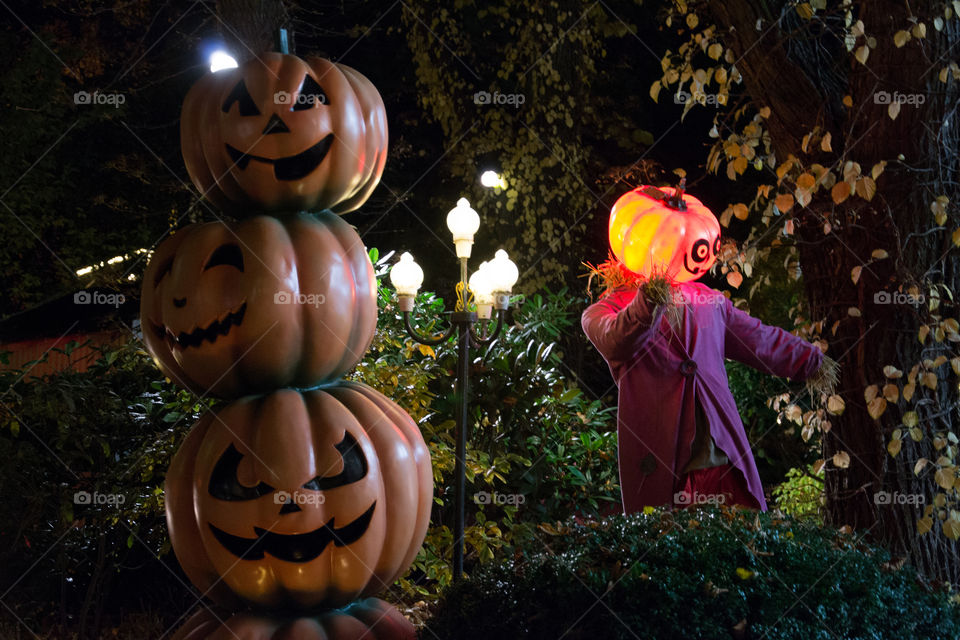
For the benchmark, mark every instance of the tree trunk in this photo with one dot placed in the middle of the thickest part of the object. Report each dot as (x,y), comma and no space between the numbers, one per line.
(250,26)
(803,76)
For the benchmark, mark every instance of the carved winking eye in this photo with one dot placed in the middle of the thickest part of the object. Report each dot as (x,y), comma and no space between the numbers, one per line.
(241,96)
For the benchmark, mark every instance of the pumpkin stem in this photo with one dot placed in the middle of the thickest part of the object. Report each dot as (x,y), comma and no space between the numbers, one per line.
(281,42)
(676,200)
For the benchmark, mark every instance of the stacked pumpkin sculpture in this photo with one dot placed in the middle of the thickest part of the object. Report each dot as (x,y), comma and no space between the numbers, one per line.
(304,495)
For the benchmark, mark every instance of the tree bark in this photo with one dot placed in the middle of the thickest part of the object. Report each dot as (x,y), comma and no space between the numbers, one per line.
(803,78)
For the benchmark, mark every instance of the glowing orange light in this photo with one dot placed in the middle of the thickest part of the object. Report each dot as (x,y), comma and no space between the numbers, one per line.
(664,231)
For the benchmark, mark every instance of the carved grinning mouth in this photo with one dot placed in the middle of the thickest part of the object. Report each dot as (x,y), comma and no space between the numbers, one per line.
(210,333)
(291,167)
(301,547)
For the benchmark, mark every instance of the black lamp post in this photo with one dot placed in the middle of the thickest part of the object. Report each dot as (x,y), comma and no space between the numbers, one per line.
(490,288)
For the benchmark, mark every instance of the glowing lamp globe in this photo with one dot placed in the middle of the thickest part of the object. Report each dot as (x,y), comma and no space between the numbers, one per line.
(663,231)
(463,222)
(503,273)
(482,287)
(406,276)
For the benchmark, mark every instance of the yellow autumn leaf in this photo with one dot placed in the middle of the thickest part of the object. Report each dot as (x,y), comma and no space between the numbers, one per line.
(806,181)
(862,53)
(854,312)
(870,393)
(876,407)
(891,392)
(923,333)
(426,350)
(878,169)
(734,279)
(955,237)
(929,380)
(740,211)
(855,274)
(744,574)
(945,477)
(894,446)
(901,38)
(655,90)
(891,371)
(692,20)
(921,463)
(879,254)
(841,191)
(784,202)
(715,50)
(924,525)
(835,405)
(825,142)
(910,418)
(841,459)
(893,110)
(818,466)
(955,365)
(908,391)
(866,188)
(847,101)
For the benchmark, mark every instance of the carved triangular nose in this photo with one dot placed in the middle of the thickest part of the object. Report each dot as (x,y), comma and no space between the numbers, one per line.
(275,125)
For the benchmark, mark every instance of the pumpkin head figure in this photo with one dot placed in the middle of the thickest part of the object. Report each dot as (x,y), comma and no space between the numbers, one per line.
(283,134)
(662,231)
(248,307)
(300,500)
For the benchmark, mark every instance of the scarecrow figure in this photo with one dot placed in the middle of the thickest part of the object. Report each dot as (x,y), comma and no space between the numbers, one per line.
(680,437)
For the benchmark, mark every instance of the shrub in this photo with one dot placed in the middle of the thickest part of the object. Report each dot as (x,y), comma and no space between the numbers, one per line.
(801,494)
(711,573)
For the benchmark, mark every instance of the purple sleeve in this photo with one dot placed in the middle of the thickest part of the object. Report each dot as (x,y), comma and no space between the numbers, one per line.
(619,332)
(768,349)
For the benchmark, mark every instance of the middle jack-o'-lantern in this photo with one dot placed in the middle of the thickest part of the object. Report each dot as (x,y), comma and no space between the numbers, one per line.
(662,231)
(300,500)
(248,307)
(283,134)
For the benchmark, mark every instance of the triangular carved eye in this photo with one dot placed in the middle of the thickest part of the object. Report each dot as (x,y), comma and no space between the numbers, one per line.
(240,95)
(224,484)
(310,95)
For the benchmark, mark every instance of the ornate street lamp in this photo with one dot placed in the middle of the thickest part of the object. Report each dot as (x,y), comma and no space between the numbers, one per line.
(490,286)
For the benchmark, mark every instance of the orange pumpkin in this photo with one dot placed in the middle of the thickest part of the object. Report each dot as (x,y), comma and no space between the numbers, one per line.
(370,619)
(300,500)
(283,134)
(662,231)
(248,307)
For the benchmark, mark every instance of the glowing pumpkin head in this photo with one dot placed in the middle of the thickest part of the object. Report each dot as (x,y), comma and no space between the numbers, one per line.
(235,308)
(283,134)
(299,500)
(662,231)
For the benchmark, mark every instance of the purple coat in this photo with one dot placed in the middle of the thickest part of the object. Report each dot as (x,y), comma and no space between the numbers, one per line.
(661,373)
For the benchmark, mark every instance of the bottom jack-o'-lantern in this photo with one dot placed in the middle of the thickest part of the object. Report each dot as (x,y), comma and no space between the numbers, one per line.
(300,500)
(369,619)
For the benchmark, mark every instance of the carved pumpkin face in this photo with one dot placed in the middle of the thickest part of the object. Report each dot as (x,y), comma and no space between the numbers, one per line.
(232,309)
(300,500)
(651,233)
(284,134)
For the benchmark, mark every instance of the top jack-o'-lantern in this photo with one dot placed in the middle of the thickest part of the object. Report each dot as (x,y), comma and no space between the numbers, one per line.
(283,134)
(663,231)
